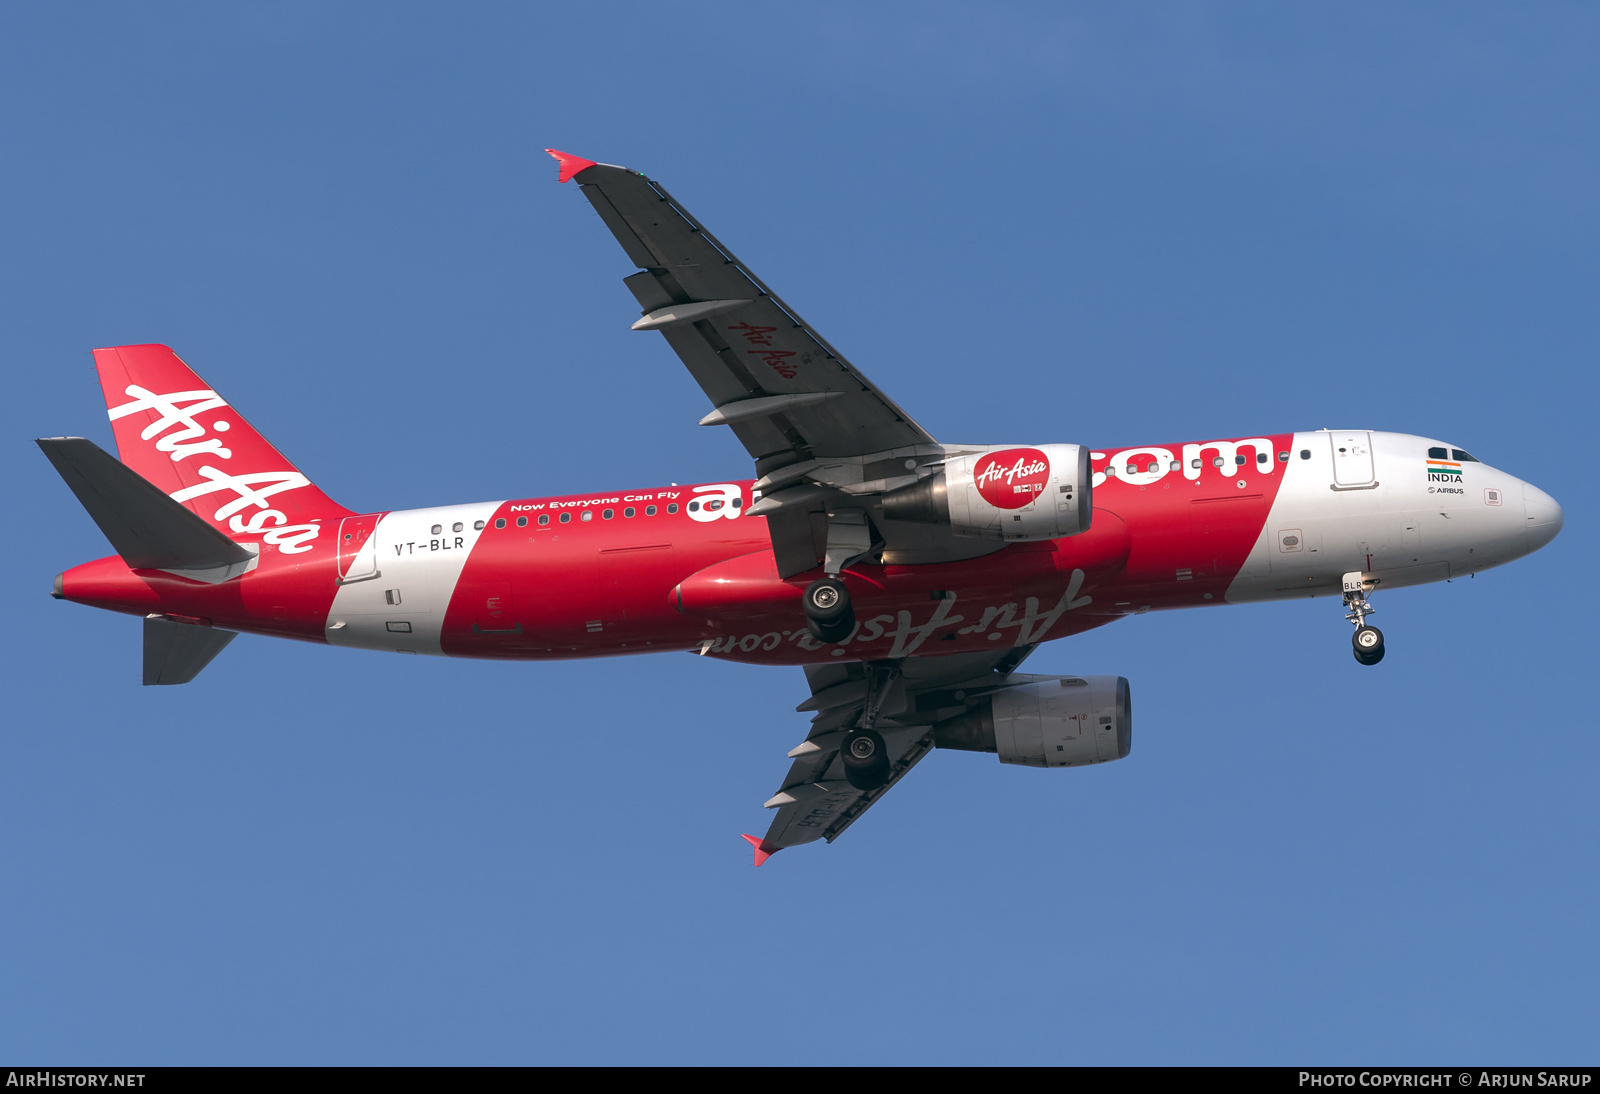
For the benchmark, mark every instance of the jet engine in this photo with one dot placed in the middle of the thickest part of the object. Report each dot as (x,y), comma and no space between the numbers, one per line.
(1003,493)
(1047,721)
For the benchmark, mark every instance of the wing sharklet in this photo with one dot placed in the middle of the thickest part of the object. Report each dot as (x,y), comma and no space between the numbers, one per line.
(570,164)
(763,853)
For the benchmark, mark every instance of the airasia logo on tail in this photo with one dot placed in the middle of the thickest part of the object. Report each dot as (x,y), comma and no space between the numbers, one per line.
(178,433)
(1012,478)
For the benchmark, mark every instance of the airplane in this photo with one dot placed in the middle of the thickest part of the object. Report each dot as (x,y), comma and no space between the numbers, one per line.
(907,577)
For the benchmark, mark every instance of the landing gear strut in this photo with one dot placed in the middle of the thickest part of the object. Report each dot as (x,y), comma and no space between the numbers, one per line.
(1367,641)
(863,753)
(829,616)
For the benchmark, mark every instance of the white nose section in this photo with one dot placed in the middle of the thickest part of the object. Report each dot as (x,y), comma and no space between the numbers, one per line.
(1544,516)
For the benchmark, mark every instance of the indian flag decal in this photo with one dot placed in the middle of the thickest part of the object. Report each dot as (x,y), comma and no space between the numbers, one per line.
(1443,471)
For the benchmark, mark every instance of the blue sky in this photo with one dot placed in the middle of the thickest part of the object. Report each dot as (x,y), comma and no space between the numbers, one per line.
(1103,224)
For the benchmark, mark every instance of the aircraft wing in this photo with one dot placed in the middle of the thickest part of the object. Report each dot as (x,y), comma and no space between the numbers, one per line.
(795,403)
(816,801)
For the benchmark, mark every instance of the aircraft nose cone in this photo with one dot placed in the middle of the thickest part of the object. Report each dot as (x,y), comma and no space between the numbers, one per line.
(1544,515)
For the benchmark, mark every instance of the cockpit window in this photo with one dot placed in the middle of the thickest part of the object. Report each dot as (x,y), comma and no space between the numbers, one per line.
(1464,457)
(1438,453)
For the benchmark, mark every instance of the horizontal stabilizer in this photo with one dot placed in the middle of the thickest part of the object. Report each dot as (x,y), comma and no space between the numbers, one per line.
(147,528)
(174,653)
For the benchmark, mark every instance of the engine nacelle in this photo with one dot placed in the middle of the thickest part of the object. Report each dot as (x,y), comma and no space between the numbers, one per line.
(1003,493)
(1049,721)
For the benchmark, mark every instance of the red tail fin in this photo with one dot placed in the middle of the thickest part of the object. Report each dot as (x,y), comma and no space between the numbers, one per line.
(178,433)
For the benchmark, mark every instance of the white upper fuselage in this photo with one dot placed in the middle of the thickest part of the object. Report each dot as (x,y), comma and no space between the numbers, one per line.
(1383,511)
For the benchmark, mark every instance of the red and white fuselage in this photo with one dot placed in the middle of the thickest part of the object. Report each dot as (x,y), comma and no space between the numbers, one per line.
(1177,525)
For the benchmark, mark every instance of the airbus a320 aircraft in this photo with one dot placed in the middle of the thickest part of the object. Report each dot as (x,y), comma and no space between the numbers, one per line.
(909,578)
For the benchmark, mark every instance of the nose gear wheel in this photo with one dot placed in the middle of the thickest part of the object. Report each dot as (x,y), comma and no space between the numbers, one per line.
(1367,642)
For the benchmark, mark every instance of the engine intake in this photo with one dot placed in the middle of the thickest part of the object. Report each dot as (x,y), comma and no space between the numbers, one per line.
(1003,493)
(1048,721)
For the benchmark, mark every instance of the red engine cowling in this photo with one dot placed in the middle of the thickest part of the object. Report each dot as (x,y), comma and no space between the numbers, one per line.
(1009,493)
(1047,721)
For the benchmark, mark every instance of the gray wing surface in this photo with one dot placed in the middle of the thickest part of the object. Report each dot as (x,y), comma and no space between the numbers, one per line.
(816,801)
(786,393)
(796,404)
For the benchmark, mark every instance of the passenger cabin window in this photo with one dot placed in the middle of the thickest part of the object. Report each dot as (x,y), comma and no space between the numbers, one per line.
(1216,461)
(522,522)
(1261,457)
(1194,463)
(437,528)
(608,514)
(629,511)
(499,522)
(649,510)
(477,526)
(1305,453)
(1464,457)
(694,507)
(1283,457)
(1175,465)
(736,502)
(456,527)
(586,516)
(566,518)
(1438,453)
(1239,461)
(672,507)
(544,518)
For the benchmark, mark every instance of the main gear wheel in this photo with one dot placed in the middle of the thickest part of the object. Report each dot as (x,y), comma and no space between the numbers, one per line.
(829,616)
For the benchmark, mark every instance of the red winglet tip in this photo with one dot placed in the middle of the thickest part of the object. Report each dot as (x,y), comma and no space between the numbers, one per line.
(761,855)
(570,164)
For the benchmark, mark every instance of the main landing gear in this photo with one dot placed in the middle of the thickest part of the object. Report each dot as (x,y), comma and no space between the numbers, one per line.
(865,758)
(1367,641)
(863,753)
(829,616)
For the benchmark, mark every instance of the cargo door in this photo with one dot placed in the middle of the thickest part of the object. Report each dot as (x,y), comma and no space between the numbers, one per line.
(1223,535)
(634,586)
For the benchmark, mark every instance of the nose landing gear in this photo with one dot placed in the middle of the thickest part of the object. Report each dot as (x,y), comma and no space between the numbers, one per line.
(1367,641)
